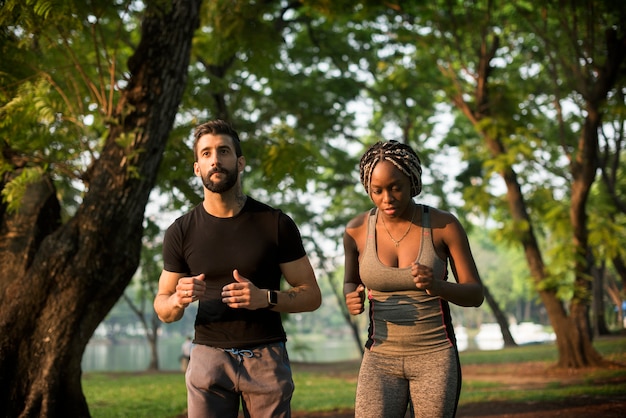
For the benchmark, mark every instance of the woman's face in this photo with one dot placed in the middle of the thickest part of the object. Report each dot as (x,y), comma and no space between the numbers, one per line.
(390,189)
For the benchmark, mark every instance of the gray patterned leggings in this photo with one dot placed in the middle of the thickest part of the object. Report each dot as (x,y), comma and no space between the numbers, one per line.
(386,383)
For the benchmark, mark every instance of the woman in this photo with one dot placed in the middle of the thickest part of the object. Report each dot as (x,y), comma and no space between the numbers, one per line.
(400,251)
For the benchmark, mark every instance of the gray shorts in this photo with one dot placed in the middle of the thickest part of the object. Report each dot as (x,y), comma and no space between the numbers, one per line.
(432,383)
(218,379)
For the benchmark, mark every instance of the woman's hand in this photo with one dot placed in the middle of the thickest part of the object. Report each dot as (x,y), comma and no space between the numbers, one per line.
(423,278)
(355,301)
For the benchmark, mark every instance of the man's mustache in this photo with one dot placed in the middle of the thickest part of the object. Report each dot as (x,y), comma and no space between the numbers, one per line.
(217,170)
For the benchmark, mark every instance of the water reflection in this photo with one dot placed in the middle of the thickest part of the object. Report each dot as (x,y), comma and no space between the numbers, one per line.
(489,335)
(134,355)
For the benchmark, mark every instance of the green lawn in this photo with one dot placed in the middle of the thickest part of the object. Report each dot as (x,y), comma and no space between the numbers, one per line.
(162,395)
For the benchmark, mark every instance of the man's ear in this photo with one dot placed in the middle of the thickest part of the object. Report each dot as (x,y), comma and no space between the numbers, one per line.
(196,169)
(241,164)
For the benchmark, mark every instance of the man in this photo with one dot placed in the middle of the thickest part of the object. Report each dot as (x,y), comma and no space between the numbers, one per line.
(229,253)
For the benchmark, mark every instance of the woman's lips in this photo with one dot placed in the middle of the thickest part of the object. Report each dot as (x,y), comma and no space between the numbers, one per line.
(390,211)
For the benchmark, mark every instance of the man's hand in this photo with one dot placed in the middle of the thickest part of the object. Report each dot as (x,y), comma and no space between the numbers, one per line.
(188,290)
(243,294)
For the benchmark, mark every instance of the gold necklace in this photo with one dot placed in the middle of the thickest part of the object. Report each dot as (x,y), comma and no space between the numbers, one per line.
(397,242)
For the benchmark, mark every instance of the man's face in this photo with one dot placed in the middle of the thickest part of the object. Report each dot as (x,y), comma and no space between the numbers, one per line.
(218,164)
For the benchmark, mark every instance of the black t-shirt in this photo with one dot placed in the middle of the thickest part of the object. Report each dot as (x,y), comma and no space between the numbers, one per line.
(254,242)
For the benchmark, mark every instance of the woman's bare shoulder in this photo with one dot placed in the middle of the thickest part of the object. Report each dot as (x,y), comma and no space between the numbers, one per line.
(440,218)
(358,221)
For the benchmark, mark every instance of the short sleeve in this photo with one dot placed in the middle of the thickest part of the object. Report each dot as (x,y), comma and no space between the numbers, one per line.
(173,257)
(290,243)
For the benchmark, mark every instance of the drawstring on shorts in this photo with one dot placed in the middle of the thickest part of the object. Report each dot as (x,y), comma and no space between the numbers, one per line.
(239,353)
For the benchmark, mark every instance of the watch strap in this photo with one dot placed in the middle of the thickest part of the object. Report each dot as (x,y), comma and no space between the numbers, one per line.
(272,298)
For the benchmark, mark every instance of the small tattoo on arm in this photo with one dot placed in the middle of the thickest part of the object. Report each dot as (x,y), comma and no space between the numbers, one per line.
(292,293)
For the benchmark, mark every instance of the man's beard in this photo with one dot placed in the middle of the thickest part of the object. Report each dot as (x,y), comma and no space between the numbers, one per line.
(222,185)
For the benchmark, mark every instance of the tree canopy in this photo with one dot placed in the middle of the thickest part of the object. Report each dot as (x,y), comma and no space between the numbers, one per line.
(98,100)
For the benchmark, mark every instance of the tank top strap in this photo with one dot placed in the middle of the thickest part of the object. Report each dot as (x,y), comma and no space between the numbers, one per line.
(425,217)
(371,227)
(427,249)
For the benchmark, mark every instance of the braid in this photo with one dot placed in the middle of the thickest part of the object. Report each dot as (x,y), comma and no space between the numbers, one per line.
(400,155)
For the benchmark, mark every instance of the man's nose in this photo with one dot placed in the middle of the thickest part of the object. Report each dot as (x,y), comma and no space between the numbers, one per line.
(215,160)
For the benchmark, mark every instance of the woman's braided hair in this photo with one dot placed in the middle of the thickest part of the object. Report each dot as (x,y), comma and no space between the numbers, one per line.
(400,155)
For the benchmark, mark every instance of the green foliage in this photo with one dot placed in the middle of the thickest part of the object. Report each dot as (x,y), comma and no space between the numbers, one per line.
(291,89)
(62,73)
(14,191)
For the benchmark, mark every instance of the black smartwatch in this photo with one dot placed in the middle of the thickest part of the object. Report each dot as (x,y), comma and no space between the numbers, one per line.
(272,298)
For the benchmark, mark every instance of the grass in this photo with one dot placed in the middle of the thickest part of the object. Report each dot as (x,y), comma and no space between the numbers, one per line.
(610,347)
(588,383)
(117,395)
(162,395)
(479,392)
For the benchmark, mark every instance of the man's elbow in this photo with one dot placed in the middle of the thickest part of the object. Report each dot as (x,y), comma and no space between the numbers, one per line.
(314,299)
(166,315)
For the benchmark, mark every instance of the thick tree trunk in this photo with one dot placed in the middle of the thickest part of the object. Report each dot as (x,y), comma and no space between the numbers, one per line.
(584,167)
(59,282)
(572,332)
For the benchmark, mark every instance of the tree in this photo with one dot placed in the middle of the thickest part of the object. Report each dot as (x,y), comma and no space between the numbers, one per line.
(61,276)
(588,66)
(512,73)
(146,280)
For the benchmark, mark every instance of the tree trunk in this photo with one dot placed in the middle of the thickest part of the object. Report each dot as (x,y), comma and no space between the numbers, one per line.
(337,289)
(572,332)
(620,268)
(583,168)
(500,318)
(150,327)
(59,282)
(599,323)
(152,336)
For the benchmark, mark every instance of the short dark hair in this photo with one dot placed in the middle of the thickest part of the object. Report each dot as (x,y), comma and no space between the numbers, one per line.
(216,127)
(402,156)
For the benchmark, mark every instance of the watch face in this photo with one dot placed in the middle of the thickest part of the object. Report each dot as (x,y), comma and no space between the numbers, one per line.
(273,297)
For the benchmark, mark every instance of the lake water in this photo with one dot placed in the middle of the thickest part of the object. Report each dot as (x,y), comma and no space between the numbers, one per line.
(135,355)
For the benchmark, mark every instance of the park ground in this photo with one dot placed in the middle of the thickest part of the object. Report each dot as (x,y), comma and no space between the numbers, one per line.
(514,377)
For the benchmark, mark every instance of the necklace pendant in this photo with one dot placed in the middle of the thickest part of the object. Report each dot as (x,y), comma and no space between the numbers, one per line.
(397,242)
